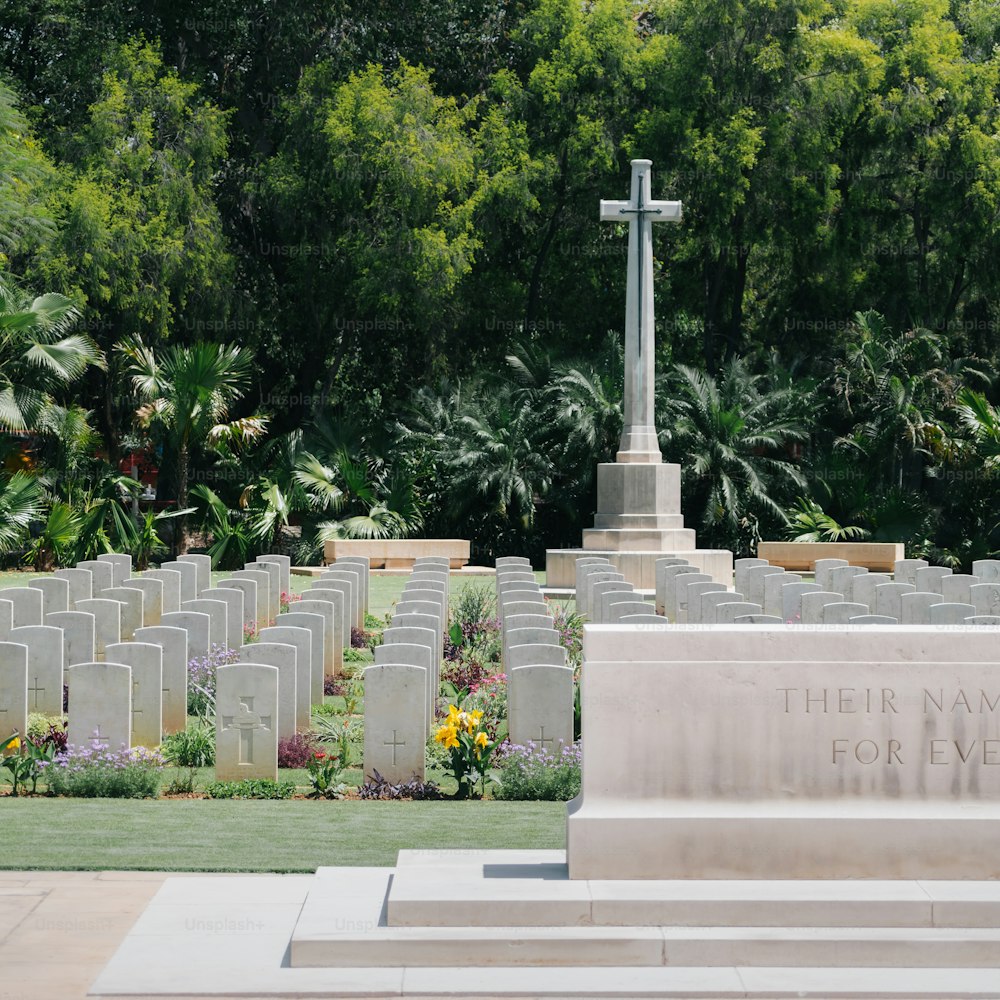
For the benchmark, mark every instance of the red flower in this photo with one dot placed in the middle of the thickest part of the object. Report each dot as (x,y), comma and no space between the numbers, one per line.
(320,756)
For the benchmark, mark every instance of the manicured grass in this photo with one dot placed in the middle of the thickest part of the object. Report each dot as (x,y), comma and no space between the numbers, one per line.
(291,836)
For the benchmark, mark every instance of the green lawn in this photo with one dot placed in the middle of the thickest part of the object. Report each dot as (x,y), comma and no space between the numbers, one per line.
(290,836)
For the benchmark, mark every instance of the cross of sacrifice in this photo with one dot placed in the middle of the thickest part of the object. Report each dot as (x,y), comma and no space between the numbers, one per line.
(639,442)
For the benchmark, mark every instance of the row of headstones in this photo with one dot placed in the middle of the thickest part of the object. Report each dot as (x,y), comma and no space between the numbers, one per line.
(132,692)
(916,594)
(605,597)
(402,687)
(539,683)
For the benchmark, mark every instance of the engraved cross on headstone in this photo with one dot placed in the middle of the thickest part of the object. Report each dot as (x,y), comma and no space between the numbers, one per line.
(393,743)
(36,689)
(639,442)
(135,711)
(542,739)
(98,735)
(247,722)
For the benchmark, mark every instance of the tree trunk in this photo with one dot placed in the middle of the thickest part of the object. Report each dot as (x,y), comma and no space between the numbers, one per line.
(182,498)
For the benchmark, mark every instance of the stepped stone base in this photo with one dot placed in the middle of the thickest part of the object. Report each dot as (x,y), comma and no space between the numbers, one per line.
(512,924)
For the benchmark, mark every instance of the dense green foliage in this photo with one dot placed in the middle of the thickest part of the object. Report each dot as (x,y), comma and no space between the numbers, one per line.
(392,209)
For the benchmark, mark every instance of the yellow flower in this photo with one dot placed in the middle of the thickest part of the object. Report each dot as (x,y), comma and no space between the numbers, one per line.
(481,740)
(15,743)
(447,735)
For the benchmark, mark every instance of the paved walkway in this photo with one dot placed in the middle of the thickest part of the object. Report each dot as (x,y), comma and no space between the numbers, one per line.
(58,929)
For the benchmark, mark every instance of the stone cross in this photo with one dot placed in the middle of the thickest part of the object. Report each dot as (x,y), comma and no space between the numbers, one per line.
(542,740)
(36,690)
(639,442)
(246,721)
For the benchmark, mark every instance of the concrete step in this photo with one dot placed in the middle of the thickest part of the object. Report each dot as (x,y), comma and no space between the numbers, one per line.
(345,923)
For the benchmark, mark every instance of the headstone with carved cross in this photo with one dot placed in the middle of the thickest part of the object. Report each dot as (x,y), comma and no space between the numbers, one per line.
(246,731)
(78,631)
(283,657)
(396,721)
(540,706)
(13,689)
(100,704)
(46,660)
(146,662)
(173,643)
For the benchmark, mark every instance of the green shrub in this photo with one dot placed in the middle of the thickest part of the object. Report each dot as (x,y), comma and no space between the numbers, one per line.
(97,772)
(529,774)
(193,747)
(250,788)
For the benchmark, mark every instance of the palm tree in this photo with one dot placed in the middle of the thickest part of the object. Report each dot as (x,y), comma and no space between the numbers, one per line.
(731,436)
(21,502)
(38,357)
(187,392)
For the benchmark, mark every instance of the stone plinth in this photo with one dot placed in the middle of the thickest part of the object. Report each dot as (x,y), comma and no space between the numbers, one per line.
(787,752)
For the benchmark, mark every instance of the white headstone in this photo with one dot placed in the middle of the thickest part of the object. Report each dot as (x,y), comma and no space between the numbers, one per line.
(335,592)
(396,721)
(772,591)
(863,591)
(873,620)
(81,584)
(689,598)
(79,630)
(121,566)
(815,601)
(284,564)
(822,569)
(988,570)
(951,613)
(233,599)
(172,581)
(841,613)
(300,639)
(666,588)
(218,617)
(102,575)
(263,581)
(273,586)
(55,593)
(14,689)
(189,577)
(197,625)
(100,705)
(315,624)
(841,579)
(534,655)
(132,610)
(351,576)
(540,707)
(915,607)
(753,582)
(46,665)
(726,614)
(152,598)
(888,599)
(416,654)
(365,563)
(146,663)
(283,658)
(203,564)
(792,595)
(26,603)
(929,579)
(331,640)
(246,722)
(986,598)
(107,622)
(955,588)
(173,643)
(248,591)
(905,569)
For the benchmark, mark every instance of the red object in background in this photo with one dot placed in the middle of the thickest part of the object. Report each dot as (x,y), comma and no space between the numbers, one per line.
(145,463)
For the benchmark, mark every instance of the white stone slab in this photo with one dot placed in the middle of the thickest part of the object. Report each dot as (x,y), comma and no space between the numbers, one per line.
(145,659)
(300,639)
(689,598)
(203,564)
(246,730)
(152,598)
(121,566)
(988,570)
(335,593)
(172,581)
(14,689)
(906,569)
(189,577)
(107,622)
(792,596)
(888,599)
(131,611)
(331,641)
(930,579)
(284,564)
(841,579)
(102,574)
(218,620)
(273,586)
(726,614)
(197,625)
(316,625)
(282,657)
(55,593)
(79,630)
(534,655)
(955,588)
(843,612)
(26,603)
(100,704)
(773,586)
(540,707)
(46,666)
(951,613)
(753,582)
(915,607)
(81,584)
(173,643)
(233,599)
(986,598)
(822,569)
(814,602)
(248,588)
(351,575)
(396,721)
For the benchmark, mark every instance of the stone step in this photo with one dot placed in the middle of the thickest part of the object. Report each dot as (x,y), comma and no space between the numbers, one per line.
(532,889)
(343,924)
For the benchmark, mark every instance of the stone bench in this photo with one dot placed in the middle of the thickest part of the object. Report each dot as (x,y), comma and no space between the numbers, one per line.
(398,553)
(876,556)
